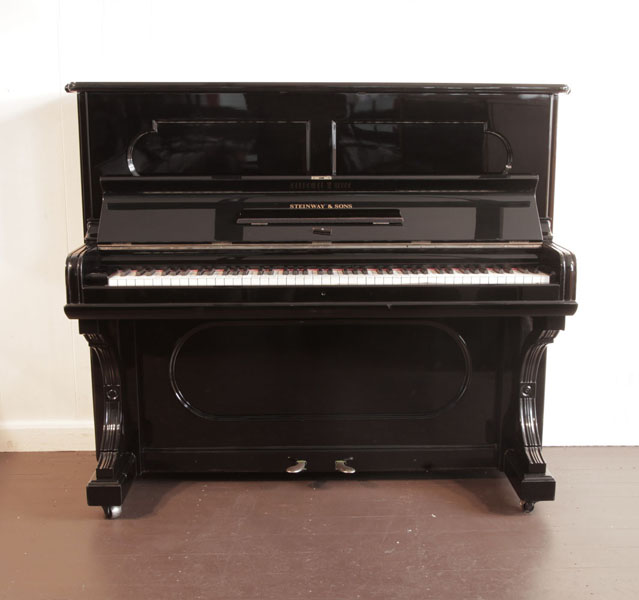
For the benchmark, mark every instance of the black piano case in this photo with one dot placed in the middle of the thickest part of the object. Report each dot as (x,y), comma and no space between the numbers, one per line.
(369,376)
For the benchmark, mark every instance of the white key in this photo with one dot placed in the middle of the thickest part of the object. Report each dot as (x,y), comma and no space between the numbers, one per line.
(333,278)
(528,276)
(370,277)
(502,278)
(458,277)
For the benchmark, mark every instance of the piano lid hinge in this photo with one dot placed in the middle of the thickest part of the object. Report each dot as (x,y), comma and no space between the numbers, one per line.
(546,228)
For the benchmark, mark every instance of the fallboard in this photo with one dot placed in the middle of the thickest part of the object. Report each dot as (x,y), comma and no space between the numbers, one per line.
(266,210)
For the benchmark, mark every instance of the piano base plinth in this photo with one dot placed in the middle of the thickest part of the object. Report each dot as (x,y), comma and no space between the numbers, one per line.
(111,492)
(530,487)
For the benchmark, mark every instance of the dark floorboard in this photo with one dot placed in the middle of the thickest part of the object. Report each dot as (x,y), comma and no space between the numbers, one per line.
(386,538)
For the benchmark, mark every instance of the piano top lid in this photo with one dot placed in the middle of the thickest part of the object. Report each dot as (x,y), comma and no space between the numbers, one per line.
(313,131)
(444,88)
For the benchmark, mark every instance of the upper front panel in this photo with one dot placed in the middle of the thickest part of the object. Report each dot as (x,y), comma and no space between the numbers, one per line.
(314,132)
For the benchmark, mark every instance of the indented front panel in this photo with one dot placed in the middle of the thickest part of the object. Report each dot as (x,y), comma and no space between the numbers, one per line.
(409,148)
(221,387)
(223,147)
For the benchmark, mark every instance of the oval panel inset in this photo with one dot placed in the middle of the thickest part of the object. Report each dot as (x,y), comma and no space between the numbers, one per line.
(319,371)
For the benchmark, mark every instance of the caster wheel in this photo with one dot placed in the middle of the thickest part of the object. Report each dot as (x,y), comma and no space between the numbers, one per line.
(527,506)
(112,512)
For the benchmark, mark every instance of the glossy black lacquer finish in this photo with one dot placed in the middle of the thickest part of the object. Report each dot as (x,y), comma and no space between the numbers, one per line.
(257,380)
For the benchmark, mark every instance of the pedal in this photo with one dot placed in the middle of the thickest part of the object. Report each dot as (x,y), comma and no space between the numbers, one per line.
(298,467)
(342,467)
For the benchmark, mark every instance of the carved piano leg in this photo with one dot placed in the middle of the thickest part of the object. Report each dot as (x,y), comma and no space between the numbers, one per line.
(116,468)
(524,464)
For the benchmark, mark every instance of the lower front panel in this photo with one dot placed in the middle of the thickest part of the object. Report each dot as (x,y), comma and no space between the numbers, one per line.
(386,395)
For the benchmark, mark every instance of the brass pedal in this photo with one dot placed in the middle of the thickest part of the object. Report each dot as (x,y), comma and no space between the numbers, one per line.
(342,467)
(298,467)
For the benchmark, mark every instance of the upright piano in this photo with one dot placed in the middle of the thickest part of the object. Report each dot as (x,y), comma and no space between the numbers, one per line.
(318,278)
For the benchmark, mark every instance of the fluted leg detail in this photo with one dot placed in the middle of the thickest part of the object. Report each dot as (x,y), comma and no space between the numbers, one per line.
(116,468)
(524,463)
(112,398)
(528,423)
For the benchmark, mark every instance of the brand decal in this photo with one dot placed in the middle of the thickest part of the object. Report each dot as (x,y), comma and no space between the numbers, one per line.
(319,206)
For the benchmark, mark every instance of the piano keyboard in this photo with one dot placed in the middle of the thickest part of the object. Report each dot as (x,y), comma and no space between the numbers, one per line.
(326,276)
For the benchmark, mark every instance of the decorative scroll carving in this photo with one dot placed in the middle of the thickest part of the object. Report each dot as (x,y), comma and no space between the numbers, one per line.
(528,399)
(112,398)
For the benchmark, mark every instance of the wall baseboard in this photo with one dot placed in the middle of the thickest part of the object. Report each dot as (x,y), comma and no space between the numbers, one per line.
(43,436)
(64,436)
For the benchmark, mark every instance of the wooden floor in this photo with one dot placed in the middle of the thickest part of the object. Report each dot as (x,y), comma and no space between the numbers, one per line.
(385,538)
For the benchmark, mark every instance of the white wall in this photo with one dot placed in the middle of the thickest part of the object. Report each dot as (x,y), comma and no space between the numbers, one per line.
(592,385)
